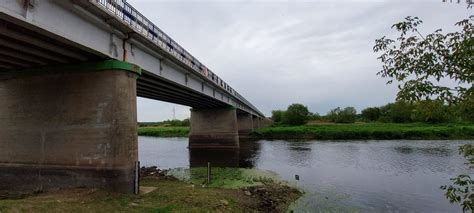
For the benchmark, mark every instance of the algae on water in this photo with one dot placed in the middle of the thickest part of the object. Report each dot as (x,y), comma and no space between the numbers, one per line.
(224,177)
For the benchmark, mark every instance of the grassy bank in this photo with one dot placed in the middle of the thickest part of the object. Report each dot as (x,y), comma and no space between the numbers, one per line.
(164,131)
(368,131)
(169,195)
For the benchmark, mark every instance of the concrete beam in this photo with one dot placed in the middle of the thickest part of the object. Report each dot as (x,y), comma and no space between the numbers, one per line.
(214,128)
(69,127)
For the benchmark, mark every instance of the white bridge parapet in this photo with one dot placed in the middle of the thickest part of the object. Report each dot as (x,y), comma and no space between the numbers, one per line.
(73,31)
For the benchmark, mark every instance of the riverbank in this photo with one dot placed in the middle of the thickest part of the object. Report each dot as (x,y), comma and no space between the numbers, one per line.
(165,194)
(331,131)
(160,131)
(368,131)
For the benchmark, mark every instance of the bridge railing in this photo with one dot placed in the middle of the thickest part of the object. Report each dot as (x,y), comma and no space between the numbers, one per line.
(129,15)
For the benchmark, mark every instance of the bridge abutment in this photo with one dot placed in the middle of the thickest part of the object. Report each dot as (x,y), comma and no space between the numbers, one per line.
(68,127)
(214,128)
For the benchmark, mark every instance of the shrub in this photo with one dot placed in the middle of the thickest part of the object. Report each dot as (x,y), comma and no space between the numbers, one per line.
(371,114)
(296,114)
(398,112)
(466,109)
(277,116)
(346,115)
(431,112)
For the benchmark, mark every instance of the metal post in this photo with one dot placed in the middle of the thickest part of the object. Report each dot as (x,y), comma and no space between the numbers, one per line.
(208,173)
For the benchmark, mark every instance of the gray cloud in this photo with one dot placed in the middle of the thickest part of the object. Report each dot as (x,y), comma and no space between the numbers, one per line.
(275,53)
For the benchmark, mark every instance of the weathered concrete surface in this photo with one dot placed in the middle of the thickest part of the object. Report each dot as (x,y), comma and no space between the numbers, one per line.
(68,129)
(245,124)
(266,122)
(256,122)
(214,128)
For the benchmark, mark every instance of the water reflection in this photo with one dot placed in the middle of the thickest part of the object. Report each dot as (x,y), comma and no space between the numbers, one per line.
(367,176)
(426,150)
(244,157)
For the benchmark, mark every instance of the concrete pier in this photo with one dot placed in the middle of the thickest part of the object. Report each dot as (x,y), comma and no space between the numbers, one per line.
(256,122)
(73,126)
(245,124)
(214,128)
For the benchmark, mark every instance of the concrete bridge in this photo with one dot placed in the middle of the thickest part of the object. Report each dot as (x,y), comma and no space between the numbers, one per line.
(70,72)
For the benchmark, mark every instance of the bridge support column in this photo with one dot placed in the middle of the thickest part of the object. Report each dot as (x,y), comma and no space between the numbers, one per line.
(256,122)
(245,123)
(214,128)
(68,127)
(266,122)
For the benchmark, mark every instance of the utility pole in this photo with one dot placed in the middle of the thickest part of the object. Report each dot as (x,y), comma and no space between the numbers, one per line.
(174,113)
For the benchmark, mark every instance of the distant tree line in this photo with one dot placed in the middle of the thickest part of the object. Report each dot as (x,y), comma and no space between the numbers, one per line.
(426,111)
(167,123)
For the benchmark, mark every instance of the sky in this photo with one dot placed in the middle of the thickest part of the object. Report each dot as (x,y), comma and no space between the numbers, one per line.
(275,53)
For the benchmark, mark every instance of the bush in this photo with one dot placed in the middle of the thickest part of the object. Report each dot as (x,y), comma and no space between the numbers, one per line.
(333,114)
(314,116)
(371,114)
(398,112)
(431,112)
(347,115)
(466,109)
(277,116)
(296,114)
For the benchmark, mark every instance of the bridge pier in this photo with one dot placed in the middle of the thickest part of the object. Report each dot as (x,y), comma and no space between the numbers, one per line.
(245,123)
(256,122)
(214,128)
(72,126)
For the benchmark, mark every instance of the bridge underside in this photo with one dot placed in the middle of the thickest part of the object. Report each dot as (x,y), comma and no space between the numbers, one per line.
(68,111)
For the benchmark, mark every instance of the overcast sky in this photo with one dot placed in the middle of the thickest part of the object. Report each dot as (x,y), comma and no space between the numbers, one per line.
(274,53)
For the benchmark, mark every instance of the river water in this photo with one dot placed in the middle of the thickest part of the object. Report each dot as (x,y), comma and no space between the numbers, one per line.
(337,176)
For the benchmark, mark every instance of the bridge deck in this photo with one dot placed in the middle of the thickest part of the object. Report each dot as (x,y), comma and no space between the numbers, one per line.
(32,36)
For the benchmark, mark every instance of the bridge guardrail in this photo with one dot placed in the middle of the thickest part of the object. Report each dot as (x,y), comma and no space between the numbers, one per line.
(132,17)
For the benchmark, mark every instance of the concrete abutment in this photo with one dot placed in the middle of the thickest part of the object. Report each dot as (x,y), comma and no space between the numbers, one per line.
(65,127)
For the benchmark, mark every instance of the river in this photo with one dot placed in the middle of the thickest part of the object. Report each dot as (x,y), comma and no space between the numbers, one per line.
(367,176)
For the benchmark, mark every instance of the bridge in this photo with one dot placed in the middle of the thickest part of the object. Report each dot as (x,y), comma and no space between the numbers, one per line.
(70,72)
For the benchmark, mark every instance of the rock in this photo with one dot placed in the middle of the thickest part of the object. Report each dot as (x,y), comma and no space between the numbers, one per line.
(225,202)
(247,193)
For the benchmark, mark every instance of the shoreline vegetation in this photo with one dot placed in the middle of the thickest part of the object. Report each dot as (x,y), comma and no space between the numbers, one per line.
(335,131)
(163,131)
(161,192)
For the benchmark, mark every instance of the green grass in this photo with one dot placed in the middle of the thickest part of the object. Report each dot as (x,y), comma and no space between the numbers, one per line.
(368,131)
(170,196)
(164,131)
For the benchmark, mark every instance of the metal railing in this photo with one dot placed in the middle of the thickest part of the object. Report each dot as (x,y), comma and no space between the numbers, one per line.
(124,12)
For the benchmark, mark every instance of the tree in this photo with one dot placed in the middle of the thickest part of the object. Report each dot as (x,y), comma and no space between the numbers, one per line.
(466,109)
(333,114)
(371,113)
(277,116)
(398,112)
(314,116)
(462,189)
(346,115)
(296,114)
(421,63)
(432,112)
